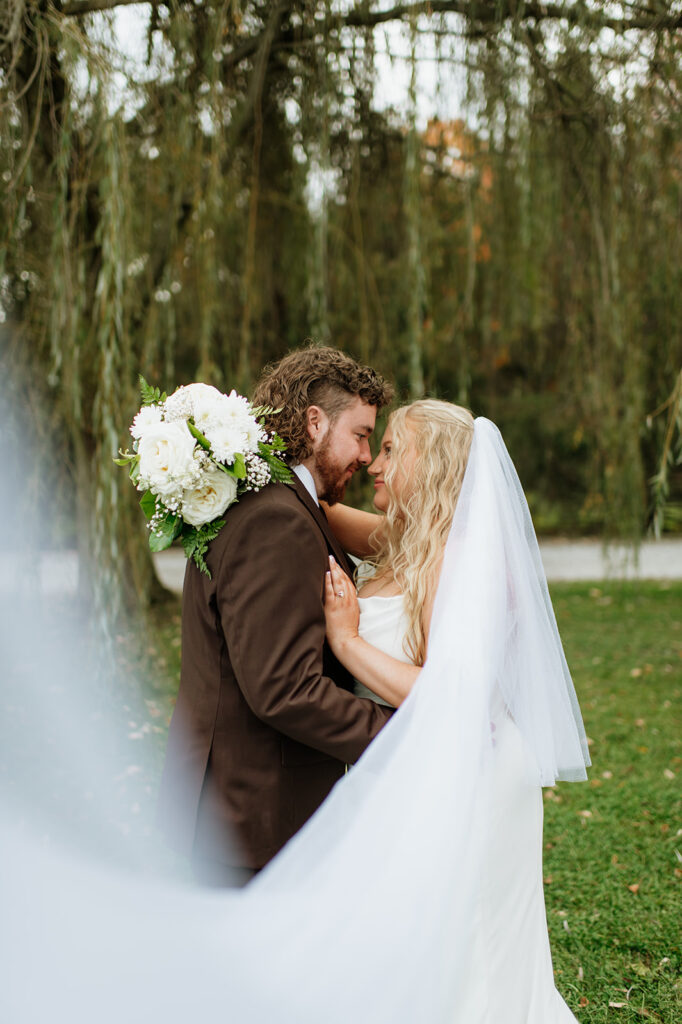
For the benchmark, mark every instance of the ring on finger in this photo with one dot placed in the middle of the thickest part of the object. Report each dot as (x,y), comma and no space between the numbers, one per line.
(340,593)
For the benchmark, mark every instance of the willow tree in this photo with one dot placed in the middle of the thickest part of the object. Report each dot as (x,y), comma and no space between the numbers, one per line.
(523,257)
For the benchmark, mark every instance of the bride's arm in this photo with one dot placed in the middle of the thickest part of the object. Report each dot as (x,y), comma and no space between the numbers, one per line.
(384,675)
(353,527)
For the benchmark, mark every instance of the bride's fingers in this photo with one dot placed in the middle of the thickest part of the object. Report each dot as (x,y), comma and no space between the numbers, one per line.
(340,581)
(338,574)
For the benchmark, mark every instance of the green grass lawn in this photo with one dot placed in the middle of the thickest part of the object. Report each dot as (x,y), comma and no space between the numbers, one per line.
(613,846)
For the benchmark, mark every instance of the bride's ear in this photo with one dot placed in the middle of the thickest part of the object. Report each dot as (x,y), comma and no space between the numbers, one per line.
(317,422)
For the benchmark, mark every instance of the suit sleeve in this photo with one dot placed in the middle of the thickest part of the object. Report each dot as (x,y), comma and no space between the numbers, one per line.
(269,589)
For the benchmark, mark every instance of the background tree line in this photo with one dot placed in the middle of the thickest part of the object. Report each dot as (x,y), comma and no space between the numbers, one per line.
(196,217)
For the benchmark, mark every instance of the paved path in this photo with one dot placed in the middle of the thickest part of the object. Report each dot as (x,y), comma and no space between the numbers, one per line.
(57,572)
(563,560)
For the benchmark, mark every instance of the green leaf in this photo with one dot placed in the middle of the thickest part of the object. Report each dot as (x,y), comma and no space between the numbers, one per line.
(165,532)
(150,395)
(159,542)
(195,541)
(135,469)
(238,468)
(148,504)
(125,457)
(201,438)
(260,411)
(279,471)
(277,444)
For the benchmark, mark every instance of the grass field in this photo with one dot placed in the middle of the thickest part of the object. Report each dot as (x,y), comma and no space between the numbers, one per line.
(613,846)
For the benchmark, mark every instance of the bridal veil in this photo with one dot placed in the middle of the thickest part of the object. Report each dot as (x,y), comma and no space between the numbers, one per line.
(367,914)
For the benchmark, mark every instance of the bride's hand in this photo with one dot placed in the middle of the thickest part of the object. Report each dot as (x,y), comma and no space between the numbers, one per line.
(341,609)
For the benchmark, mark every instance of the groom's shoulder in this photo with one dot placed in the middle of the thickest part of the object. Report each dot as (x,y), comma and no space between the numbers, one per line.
(274,503)
(274,496)
(273,512)
(275,515)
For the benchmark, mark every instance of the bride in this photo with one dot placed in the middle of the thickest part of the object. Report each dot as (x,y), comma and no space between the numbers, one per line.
(381,636)
(414,894)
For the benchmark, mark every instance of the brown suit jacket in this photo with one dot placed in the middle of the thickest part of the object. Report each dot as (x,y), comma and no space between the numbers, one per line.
(265,718)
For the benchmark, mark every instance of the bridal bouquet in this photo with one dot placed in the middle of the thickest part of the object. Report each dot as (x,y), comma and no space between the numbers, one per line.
(194,452)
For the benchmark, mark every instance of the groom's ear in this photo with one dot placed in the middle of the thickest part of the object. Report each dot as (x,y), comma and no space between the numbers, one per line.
(317,422)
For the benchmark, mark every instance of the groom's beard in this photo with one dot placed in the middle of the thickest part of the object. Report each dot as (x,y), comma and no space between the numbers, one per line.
(332,476)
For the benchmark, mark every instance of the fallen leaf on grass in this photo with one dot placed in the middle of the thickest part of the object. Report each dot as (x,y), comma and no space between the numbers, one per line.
(634,887)
(584,1001)
(636,1009)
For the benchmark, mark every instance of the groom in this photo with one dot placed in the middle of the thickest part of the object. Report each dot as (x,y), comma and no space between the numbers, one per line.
(266,718)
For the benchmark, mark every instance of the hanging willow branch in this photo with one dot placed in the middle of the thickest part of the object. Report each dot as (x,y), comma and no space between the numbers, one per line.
(641,18)
(415,272)
(671,455)
(255,102)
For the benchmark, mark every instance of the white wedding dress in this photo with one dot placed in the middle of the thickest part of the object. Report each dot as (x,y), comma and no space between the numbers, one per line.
(508,978)
(412,896)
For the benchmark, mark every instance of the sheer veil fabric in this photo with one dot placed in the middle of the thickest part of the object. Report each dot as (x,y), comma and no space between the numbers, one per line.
(369,914)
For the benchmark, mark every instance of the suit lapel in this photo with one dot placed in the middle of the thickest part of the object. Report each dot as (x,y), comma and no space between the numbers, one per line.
(321,520)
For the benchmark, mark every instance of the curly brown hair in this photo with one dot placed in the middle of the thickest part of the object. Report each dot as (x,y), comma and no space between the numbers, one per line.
(314,375)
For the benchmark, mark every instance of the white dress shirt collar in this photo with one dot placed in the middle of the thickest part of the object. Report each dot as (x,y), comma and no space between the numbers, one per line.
(308,481)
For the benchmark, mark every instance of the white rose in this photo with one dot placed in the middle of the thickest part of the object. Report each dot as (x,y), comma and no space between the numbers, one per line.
(180,405)
(148,416)
(210,499)
(167,457)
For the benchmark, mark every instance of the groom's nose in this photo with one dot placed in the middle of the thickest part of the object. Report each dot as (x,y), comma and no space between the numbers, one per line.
(365,456)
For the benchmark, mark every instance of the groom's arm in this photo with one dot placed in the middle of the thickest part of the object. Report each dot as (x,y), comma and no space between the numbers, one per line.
(269,588)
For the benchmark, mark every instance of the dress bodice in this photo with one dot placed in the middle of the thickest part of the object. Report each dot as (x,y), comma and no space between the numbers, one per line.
(383,624)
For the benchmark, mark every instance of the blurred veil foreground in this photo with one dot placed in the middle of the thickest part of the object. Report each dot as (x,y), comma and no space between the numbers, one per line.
(368,914)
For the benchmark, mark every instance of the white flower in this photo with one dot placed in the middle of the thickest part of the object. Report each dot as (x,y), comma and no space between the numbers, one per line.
(208,410)
(226,442)
(148,416)
(181,404)
(232,428)
(167,460)
(252,435)
(210,499)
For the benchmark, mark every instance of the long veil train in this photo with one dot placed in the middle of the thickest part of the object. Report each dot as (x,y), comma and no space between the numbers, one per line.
(367,914)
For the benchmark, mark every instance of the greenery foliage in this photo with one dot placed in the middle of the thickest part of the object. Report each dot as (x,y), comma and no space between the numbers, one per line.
(195,216)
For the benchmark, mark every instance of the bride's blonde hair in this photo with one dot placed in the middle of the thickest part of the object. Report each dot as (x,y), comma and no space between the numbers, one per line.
(411,540)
